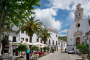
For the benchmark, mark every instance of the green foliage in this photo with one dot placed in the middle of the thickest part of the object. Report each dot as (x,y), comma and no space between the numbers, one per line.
(22,48)
(44,35)
(52,49)
(82,48)
(31,26)
(17,10)
(44,48)
(48,48)
(36,48)
(64,38)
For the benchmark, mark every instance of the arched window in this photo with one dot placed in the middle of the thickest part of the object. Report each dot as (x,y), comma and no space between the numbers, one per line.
(41,40)
(49,41)
(37,40)
(56,42)
(56,35)
(53,42)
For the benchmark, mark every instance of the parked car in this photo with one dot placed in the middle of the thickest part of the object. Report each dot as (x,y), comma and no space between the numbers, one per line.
(71,51)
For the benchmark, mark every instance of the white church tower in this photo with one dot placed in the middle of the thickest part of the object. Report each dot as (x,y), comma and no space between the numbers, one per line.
(78,13)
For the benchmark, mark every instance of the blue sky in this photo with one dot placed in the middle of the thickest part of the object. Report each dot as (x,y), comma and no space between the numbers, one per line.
(59,14)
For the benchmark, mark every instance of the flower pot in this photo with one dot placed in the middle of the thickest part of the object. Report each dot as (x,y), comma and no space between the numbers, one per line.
(20,58)
(45,53)
(48,52)
(84,56)
(52,51)
(36,56)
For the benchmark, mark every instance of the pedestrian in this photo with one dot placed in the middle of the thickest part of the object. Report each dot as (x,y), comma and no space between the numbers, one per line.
(27,54)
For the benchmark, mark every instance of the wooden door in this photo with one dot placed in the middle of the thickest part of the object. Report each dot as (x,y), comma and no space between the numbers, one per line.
(78,40)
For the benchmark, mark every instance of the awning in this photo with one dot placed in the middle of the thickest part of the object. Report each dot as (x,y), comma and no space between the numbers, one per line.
(40,45)
(19,42)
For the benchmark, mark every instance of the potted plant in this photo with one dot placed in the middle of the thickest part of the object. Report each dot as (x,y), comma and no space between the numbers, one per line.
(83,49)
(48,50)
(52,50)
(35,48)
(45,48)
(21,48)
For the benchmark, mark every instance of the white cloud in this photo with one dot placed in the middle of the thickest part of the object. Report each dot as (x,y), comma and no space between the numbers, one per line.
(70,5)
(71,15)
(46,16)
(63,31)
(60,4)
(62,35)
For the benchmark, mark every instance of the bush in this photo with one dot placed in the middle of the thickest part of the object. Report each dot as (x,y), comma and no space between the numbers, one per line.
(82,48)
(44,48)
(22,48)
(52,49)
(36,48)
(48,48)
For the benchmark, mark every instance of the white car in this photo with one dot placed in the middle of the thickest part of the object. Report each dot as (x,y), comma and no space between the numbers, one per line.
(71,51)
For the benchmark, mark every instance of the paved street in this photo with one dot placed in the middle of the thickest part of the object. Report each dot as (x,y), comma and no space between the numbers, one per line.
(61,56)
(57,56)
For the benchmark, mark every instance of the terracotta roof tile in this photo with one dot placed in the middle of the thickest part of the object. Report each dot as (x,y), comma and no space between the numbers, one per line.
(51,29)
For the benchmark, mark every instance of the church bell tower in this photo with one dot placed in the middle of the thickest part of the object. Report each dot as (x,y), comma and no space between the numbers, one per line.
(78,13)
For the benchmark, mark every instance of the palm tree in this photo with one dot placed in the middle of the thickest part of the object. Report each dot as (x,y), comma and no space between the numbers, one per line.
(31,26)
(44,35)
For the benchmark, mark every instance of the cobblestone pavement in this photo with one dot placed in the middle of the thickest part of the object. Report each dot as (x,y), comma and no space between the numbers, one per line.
(56,56)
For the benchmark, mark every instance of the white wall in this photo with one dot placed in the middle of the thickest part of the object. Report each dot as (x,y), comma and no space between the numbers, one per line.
(53,36)
(84,26)
(63,46)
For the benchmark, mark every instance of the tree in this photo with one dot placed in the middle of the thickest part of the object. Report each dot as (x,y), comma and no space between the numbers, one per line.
(44,35)
(7,29)
(31,26)
(4,41)
(35,48)
(44,48)
(15,11)
(82,48)
(22,48)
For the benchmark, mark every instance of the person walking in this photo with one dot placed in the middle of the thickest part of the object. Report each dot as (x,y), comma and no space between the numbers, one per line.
(27,54)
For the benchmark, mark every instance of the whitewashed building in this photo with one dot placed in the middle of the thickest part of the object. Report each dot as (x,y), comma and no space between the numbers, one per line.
(53,41)
(80,26)
(13,37)
(62,45)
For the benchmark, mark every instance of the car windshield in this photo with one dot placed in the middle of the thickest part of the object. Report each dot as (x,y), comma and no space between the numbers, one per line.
(70,50)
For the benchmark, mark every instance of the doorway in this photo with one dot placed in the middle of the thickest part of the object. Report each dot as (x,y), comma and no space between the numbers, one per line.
(78,40)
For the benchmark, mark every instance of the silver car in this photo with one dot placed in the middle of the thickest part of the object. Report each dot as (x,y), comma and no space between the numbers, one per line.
(71,51)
